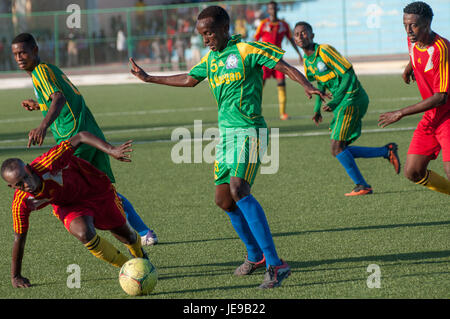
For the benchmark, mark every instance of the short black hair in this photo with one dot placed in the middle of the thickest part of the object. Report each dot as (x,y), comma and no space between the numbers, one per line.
(25,38)
(305,24)
(421,9)
(218,14)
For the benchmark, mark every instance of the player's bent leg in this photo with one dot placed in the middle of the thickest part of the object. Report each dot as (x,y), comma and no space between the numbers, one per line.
(388,151)
(137,223)
(254,256)
(345,157)
(416,167)
(131,239)
(417,172)
(223,198)
(281,88)
(83,229)
(256,219)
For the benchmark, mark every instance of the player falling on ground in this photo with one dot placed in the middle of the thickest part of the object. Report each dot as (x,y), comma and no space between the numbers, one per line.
(82,196)
(66,113)
(429,66)
(233,70)
(332,71)
(274,30)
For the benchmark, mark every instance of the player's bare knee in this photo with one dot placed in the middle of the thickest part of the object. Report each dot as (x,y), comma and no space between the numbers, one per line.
(84,235)
(226,203)
(82,229)
(239,191)
(414,175)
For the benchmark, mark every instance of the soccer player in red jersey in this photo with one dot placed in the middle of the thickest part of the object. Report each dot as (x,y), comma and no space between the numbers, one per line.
(429,67)
(274,30)
(82,196)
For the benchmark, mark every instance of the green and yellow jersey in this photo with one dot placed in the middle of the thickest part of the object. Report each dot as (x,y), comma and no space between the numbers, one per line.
(334,72)
(74,117)
(235,79)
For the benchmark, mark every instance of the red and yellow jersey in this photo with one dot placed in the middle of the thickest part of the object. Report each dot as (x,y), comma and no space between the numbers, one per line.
(432,73)
(273,32)
(66,180)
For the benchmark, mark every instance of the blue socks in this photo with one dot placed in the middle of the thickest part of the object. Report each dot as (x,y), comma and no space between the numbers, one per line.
(254,253)
(347,160)
(133,218)
(368,152)
(257,224)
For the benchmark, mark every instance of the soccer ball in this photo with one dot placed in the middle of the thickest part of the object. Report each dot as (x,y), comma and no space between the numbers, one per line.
(138,277)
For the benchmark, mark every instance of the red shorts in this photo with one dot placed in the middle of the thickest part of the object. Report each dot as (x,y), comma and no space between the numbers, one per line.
(429,141)
(107,211)
(271,73)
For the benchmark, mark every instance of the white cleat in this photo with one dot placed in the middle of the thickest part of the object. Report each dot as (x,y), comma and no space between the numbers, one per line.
(149,239)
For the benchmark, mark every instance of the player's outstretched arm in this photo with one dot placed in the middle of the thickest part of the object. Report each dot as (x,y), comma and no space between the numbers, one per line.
(120,153)
(37,135)
(437,99)
(298,77)
(17,280)
(180,80)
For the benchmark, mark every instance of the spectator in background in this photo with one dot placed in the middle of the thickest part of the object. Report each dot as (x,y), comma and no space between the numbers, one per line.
(240,25)
(121,45)
(180,48)
(140,15)
(72,51)
(196,47)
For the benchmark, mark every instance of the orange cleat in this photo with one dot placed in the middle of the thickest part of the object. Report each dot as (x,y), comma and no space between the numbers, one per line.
(393,156)
(360,190)
(284,117)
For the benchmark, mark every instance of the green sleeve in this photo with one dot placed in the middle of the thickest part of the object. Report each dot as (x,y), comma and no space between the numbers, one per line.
(262,53)
(200,71)
(45,79)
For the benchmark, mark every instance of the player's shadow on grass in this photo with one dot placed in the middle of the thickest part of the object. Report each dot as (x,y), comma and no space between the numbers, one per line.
(418,256)
(437,223)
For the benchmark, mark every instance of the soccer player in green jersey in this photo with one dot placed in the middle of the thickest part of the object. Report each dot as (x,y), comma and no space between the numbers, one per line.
(334,72)
(66,113)
(233,69)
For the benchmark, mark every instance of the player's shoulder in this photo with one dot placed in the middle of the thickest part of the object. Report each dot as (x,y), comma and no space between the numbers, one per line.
(43,69)
(19,198)
(326,47)
(442,44)
(258,47)
(264,21)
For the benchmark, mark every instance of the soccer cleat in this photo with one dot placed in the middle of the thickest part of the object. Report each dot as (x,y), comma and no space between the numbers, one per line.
(149,239)
(393,156)
(275,275)
(144,254)
(249,267)
(360,190)
(284,117)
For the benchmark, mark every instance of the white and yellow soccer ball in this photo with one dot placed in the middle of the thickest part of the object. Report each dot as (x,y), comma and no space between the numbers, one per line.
(138,277)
